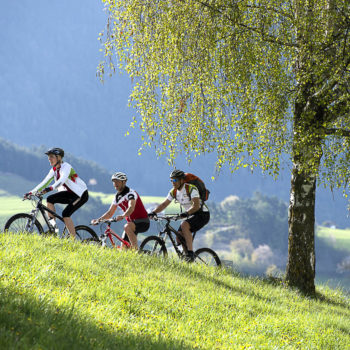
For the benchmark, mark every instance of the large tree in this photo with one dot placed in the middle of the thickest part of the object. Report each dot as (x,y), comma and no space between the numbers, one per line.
(253,81)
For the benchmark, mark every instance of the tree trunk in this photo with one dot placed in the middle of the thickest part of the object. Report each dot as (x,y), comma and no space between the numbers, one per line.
(300,270)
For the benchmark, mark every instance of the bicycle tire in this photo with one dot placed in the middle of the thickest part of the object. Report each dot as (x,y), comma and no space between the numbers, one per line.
(206,256)
(83,233)
(153,245)
(18,223)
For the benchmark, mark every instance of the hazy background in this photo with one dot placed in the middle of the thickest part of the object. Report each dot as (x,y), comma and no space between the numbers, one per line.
(50,96)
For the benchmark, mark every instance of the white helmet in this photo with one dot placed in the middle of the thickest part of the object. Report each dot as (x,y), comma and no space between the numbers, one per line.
(119,176)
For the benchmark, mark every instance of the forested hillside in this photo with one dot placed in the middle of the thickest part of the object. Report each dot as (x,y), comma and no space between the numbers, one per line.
(32,165)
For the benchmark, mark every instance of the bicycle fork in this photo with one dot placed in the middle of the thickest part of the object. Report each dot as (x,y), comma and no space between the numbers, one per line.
(30,223)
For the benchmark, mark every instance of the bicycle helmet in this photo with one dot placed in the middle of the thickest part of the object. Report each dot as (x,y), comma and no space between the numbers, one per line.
(56,151)
(119,176)
(177,174)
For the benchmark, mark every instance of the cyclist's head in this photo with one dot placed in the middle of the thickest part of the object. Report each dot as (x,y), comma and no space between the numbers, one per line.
(119,176)
(56,151)
(177,178)
(177,174)
(119,181)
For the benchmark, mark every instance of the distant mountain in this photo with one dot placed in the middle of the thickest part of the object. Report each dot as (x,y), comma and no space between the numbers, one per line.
(32,165)
(50,96)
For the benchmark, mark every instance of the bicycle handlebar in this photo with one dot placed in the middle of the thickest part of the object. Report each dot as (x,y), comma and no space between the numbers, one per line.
(107,221)
(172,217)
(31,196)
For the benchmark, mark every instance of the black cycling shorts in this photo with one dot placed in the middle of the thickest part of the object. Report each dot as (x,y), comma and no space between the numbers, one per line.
(66,197)
(141,225)
(198,220)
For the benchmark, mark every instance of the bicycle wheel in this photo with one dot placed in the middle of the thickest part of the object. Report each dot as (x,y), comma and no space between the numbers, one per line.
(23,223)
(85,233)
(153,245)
(206,256)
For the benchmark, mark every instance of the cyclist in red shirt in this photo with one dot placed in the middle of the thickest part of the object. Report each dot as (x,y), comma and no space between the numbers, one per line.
(133,210)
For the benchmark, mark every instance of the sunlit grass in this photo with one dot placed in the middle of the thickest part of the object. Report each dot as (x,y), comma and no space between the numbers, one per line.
(58,294)
(338,238)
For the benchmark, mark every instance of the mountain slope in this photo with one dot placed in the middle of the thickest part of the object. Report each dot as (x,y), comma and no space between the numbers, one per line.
(62,295)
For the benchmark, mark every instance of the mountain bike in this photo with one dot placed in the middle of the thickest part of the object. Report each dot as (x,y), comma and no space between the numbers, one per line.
(107,233)
(156,245)
(30,223)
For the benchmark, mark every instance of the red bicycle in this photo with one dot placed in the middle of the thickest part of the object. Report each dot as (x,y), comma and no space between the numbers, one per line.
(107,234)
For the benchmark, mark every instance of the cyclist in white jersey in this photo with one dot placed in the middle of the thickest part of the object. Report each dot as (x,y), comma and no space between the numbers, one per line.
(196,212)
(72,190)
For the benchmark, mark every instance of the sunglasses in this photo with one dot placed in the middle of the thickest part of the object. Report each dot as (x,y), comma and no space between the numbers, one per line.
(174,180)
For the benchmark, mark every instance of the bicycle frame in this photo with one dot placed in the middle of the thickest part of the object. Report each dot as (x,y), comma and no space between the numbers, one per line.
(43,209)
(167,232)
(109,233)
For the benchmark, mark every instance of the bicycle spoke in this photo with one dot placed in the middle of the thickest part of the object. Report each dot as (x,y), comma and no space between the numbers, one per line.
(207,256)
(22,223)
(153,246)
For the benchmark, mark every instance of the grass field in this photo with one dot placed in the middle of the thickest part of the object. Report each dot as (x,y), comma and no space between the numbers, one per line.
(10,205)
(58,294)
(338,238)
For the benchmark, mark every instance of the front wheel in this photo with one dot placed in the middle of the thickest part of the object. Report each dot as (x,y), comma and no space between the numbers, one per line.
(85,234)
(23,223)
(206,256)
(153,245)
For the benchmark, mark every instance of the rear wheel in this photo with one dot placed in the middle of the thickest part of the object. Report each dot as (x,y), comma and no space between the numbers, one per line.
(85,234)
(153,245)
(21,223)
(206,256)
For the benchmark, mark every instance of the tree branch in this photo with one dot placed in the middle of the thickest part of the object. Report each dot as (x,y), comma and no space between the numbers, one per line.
(266,37)
(338,132)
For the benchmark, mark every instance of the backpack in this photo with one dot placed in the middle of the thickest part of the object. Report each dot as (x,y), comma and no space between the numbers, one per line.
(196,181)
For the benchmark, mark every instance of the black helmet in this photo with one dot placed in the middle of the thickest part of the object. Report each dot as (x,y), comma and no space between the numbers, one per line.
(56,151)
(177,174)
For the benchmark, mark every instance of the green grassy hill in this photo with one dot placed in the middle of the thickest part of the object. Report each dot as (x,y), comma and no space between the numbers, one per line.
(58,294)
(337,238)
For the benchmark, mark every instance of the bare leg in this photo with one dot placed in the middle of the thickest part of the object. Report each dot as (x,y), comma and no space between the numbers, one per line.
(129,229)
(70,226)
(51,207)
(185,228)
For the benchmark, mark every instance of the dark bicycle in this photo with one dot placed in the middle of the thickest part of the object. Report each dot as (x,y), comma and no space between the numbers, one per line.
(30,223)
(156,245)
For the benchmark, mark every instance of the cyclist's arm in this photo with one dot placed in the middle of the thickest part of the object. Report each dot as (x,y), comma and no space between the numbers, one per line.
(162,206)
(131,208)
(196,205)
(108,214)
(43,184)
(64,174)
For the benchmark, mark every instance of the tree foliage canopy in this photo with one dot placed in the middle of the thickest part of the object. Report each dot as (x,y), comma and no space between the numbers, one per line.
(224,76)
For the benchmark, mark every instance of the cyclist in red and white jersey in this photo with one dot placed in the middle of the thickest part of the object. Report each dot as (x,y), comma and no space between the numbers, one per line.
(72,190)
(133,210)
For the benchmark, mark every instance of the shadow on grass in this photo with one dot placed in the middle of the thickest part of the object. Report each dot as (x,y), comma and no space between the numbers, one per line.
(218,282)
(276,282)
(30,323)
